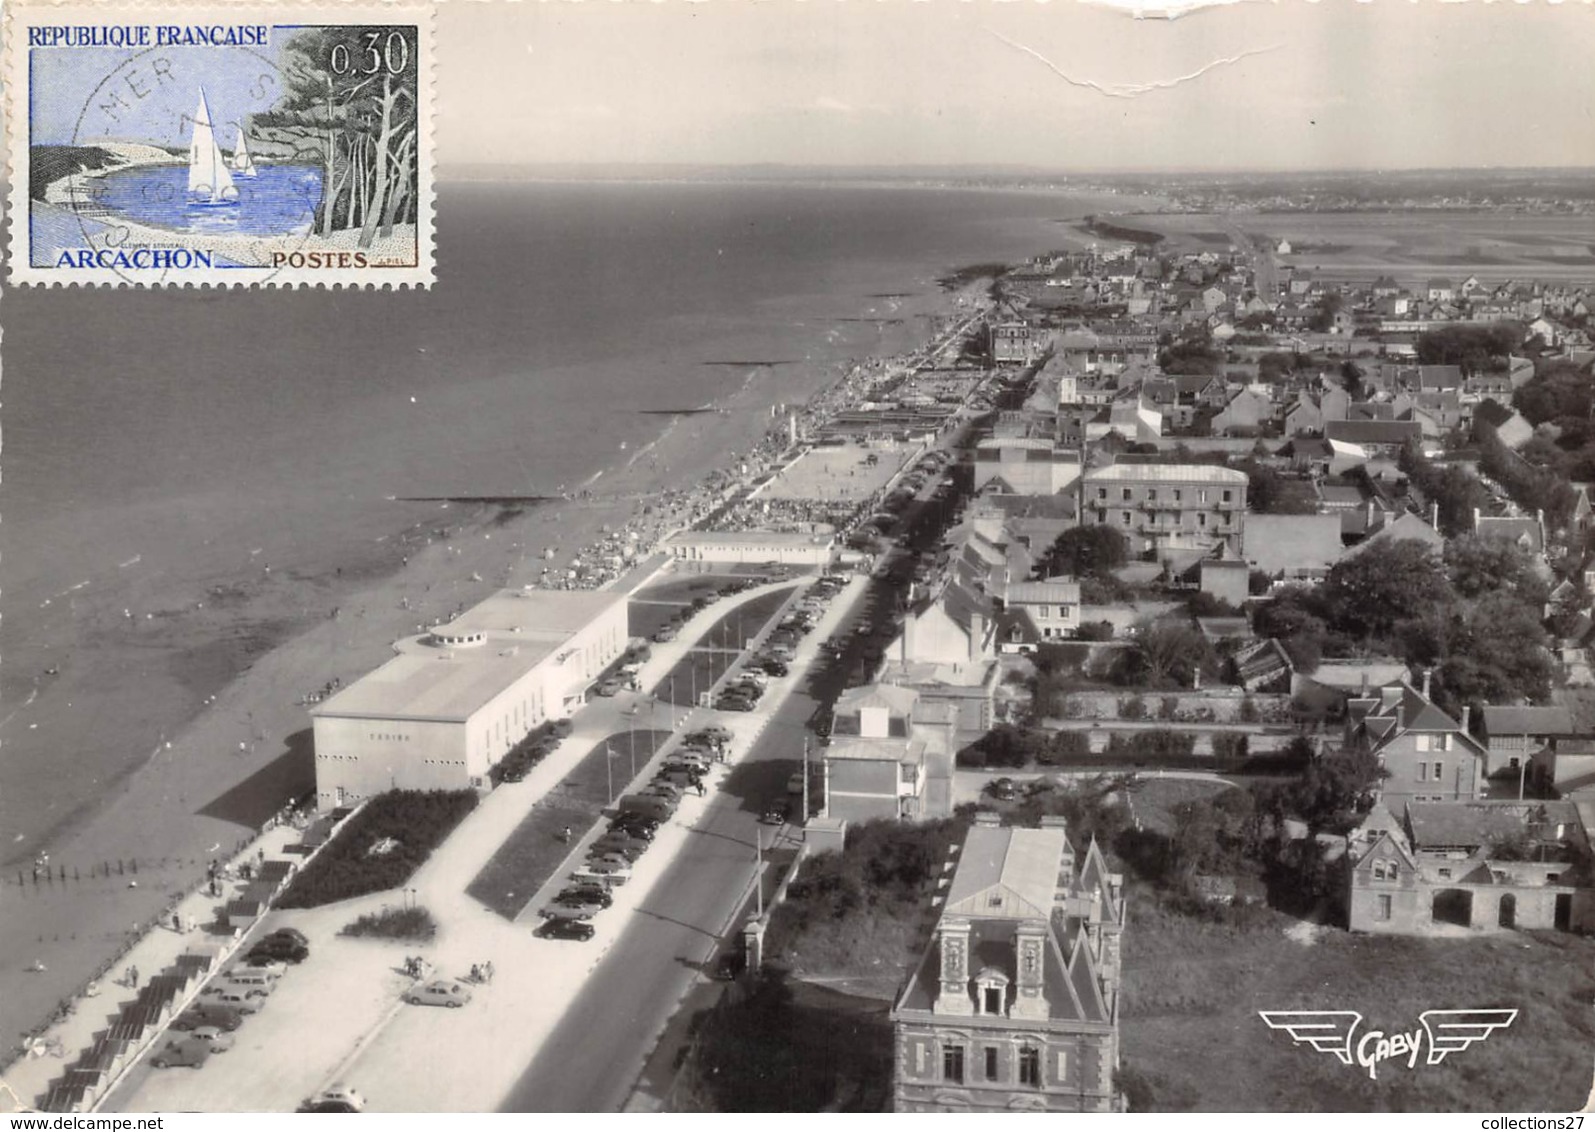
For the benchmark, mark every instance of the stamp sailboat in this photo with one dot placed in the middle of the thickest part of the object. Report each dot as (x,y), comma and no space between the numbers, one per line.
(209,182)
(243,164)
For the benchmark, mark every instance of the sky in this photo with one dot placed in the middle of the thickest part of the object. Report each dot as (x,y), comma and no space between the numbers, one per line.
(84,95)
(1062,85)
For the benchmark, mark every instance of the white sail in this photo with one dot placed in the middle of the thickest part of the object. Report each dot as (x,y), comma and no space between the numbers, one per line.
(243,164)
(207,168)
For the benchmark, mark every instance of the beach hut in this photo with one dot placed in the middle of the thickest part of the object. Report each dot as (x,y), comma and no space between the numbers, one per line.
(66,1097)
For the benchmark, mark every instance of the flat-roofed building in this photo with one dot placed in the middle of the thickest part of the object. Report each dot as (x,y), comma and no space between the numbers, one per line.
(1014,1006)
(1165,507)
(790,548)
(454,700)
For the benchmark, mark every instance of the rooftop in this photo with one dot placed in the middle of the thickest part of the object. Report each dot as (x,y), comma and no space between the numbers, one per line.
(1167,473)
(1008,873)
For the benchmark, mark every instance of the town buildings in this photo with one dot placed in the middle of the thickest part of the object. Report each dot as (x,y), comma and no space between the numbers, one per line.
(1427,756)
(1166,507)
(890,756)
(1014,1006)
(456,698)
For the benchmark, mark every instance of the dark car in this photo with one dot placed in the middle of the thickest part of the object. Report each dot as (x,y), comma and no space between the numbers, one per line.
(1003,789)
(774,814)
(191,1052)
(775,667)
(294,934)
(562,927)
(735,703)
(620,839)
(278,949)
(591,893)
(640,824)
(731,965)
(220,1017)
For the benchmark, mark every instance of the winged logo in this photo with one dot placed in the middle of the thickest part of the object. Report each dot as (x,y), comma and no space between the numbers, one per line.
(1452,1031)
(1327,1031)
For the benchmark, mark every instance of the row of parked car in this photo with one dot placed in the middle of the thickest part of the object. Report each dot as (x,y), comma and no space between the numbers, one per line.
(610,858)
(775,657)
(207,1026)
(669,631)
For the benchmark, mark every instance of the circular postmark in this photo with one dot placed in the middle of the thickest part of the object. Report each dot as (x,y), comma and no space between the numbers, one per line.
(143,218)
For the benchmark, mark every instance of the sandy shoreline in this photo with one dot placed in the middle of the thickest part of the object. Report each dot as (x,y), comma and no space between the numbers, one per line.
(265,641)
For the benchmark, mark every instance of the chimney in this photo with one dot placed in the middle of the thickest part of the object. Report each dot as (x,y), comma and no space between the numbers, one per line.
(1475,518)
(1364,683)
(1427,672)
(1434,515)
(1467,710)
(1401,716)
(977,637)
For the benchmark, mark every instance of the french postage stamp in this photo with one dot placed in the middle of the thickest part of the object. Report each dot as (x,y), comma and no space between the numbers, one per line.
(220,144)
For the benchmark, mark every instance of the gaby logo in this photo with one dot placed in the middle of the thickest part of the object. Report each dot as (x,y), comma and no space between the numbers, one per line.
(1335,1031)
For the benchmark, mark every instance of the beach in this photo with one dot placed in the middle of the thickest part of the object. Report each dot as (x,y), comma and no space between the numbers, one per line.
(256,653)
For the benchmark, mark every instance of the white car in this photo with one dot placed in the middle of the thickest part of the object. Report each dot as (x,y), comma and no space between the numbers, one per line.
(611,871)
(439,992)
(338,1098)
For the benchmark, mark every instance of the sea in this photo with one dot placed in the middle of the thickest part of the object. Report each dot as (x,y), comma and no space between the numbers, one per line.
(158,442)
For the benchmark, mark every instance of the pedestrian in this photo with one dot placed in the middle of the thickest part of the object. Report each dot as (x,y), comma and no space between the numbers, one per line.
(132,976)
(476,973)
(490,970)
(566,835)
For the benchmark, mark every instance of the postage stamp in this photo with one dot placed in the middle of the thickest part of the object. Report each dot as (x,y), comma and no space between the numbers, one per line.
(220,144)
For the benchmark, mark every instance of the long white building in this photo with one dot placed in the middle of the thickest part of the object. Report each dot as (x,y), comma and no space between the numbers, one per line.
(454,700)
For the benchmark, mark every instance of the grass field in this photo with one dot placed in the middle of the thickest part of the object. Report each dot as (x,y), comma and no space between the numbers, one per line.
(1191,1033)
(530,855)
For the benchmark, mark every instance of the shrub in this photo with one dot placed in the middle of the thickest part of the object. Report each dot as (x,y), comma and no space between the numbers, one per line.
(408,823)
(1095,631)
(1228,745)
(1249,712)
(1132,708)
(1065,747)
(1159,743)
(1168,707)
(394,923)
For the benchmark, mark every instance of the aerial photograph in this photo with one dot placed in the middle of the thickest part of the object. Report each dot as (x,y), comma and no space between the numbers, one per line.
(941,557)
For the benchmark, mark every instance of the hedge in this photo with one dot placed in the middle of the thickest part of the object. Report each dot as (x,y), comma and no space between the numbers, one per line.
(409,824)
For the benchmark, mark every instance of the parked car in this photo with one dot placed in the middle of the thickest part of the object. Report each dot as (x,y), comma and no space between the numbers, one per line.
(234,998)
(714,733)
(588,894)
(277,949)
(439,992)
(217,1017)
(561,927)
(775,667)
(219,1039)
(610,871)
(339,1098)
(186,1051)
(611,858)
(774,814)
(731,964)
(261,988)
(609,687)
(733,703)
(1002,789)
(294,934)
(636,830)
(271,970)
(573,908)
(618,849)
(668,633)
(640,824)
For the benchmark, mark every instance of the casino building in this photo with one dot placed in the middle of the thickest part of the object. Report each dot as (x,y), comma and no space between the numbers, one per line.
(457,698)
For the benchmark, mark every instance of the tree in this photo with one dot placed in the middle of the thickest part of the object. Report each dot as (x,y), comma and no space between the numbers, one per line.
(1166,652)
(350,104)
(1390,581)
(1269,493)
(1479,566)
(1086,551)
(1473,347)
(1559,390)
